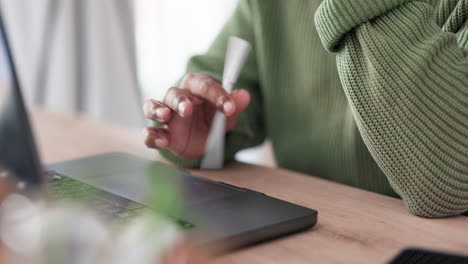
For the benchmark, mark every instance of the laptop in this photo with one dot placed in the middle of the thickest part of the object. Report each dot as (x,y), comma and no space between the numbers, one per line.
(119,185)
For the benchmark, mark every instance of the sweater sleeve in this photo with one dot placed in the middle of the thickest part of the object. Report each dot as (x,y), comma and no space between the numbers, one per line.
(250,129)
(406,81)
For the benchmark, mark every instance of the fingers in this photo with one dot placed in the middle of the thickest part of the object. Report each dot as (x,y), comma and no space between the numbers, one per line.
(156,137)
(242,99)
(196,88)
(180,101)
(210,90)
(157,111)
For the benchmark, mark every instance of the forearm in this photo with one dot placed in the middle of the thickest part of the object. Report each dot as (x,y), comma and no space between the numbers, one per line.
(407,84)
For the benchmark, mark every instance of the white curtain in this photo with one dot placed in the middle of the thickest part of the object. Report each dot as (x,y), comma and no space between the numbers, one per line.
(77,55)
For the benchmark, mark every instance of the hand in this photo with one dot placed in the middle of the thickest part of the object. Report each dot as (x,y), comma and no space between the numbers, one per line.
(188,112)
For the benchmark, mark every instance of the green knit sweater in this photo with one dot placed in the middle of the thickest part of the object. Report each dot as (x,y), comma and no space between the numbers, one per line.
(385,109)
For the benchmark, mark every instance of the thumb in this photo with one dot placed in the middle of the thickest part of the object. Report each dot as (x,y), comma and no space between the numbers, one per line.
(242,100)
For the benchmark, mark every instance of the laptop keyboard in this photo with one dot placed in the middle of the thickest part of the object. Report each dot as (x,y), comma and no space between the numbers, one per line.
(106,204)
(66,188)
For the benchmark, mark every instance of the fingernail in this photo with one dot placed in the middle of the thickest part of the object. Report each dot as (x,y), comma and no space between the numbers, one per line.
(160,142)
(144,132)
(161,112)
(228,107)
(182,106)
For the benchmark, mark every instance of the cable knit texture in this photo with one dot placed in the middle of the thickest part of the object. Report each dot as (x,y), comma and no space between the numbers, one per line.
(400,126)
(407,83)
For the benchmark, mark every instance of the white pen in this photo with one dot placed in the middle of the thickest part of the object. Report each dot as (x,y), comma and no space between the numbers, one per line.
(236,55)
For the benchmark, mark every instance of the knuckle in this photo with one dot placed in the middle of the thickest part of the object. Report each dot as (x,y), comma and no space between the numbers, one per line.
(171,95)
(148,101)
(206,85)
(190,77)
(173,90)
(148,107)
(181,97)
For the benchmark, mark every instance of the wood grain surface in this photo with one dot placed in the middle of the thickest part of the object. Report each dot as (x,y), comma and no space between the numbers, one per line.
(354,226)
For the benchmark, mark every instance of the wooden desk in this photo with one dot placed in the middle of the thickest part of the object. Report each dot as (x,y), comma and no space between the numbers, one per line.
(354,226)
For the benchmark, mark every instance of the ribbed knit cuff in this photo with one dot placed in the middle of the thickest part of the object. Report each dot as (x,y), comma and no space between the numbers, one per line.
(334,18)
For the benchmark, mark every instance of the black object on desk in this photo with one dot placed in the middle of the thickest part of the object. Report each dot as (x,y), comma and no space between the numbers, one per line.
(421,256)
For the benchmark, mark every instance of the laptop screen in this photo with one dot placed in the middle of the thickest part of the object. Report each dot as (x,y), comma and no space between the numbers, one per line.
(18,157)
